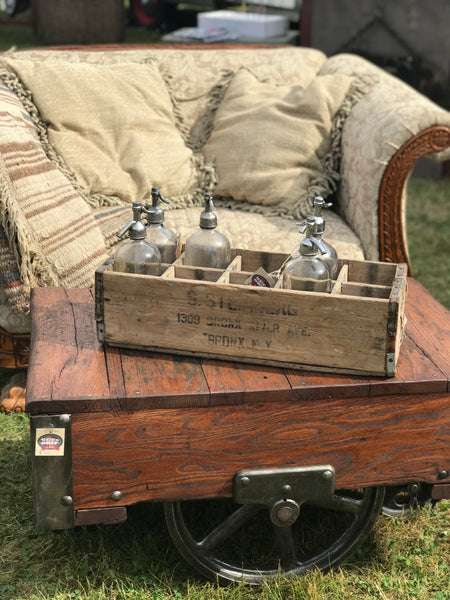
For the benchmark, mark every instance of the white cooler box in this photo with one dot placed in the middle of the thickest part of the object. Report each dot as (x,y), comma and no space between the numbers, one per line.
(250,25)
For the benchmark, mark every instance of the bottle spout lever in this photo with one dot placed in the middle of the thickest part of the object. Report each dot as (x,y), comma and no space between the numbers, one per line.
(156,195)
(126,228)
(320,245)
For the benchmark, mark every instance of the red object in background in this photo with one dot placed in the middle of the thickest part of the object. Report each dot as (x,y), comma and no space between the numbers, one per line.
(141,15)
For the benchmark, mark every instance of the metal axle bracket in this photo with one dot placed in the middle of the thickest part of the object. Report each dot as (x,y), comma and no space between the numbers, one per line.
(284,490)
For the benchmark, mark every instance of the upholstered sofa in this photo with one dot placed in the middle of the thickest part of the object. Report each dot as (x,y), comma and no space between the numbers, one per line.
(84,132)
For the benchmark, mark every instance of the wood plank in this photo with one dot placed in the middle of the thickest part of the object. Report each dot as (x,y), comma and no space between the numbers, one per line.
(195,452)
(375,273)
(416,374)
(252,260)
(365,290)
(113,358)
(197,274)
(310,385)
(233,383)
(162,380)
(67,369)
(428,325)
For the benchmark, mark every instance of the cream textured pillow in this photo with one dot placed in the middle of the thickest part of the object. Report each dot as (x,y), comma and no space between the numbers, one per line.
(268,141)
(112,124)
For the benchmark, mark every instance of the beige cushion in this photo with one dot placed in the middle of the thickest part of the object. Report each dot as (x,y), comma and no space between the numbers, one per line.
(191,73)
(268,141)
(112,124)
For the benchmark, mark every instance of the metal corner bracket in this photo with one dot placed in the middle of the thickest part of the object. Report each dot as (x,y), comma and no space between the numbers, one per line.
(52,482)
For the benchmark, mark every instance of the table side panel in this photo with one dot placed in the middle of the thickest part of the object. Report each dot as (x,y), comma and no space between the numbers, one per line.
(195,452)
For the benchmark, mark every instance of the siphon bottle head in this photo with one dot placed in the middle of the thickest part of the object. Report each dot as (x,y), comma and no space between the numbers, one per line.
(208,219)
(135,228)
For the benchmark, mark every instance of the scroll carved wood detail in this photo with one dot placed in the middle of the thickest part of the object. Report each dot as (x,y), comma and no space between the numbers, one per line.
(392,243)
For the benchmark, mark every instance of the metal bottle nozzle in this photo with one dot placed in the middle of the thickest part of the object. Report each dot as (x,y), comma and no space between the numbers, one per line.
(208,219)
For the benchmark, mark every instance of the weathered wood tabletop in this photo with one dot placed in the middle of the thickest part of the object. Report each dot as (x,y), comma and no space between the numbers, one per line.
(161,426)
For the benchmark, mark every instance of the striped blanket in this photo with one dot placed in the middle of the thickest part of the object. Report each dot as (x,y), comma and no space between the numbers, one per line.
(53,237)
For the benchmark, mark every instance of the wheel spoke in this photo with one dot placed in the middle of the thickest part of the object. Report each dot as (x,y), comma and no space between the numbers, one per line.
(342,503)
(284,539)
(229,526)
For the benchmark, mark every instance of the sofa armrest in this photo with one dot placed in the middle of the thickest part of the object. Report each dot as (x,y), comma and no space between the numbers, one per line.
(387,131)
(393,246)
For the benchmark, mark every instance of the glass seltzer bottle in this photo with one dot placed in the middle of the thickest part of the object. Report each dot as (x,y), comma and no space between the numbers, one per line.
(137,255)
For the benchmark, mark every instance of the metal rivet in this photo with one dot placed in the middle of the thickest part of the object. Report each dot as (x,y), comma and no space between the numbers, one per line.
(245,481)
(64,419)
(67,500)
(442,474)
(116,495)
(327,475)
(414,489)
(286,489)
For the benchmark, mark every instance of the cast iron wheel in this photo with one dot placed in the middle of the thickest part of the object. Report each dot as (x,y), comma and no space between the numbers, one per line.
(401,500)
(234,542)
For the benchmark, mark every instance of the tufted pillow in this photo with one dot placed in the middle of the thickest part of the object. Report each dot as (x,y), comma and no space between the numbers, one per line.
(268,142)
(113,125)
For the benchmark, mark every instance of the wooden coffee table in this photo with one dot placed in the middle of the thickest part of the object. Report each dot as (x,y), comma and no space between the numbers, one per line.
(131,426)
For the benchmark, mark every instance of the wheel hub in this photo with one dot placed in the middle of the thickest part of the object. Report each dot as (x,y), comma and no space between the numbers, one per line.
(284,513)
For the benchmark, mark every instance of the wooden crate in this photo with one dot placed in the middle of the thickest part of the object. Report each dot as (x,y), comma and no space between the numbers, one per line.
(356,329)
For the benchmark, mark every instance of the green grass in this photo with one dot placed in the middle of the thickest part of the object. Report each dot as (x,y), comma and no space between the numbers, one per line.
(403,559)
(428,224)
